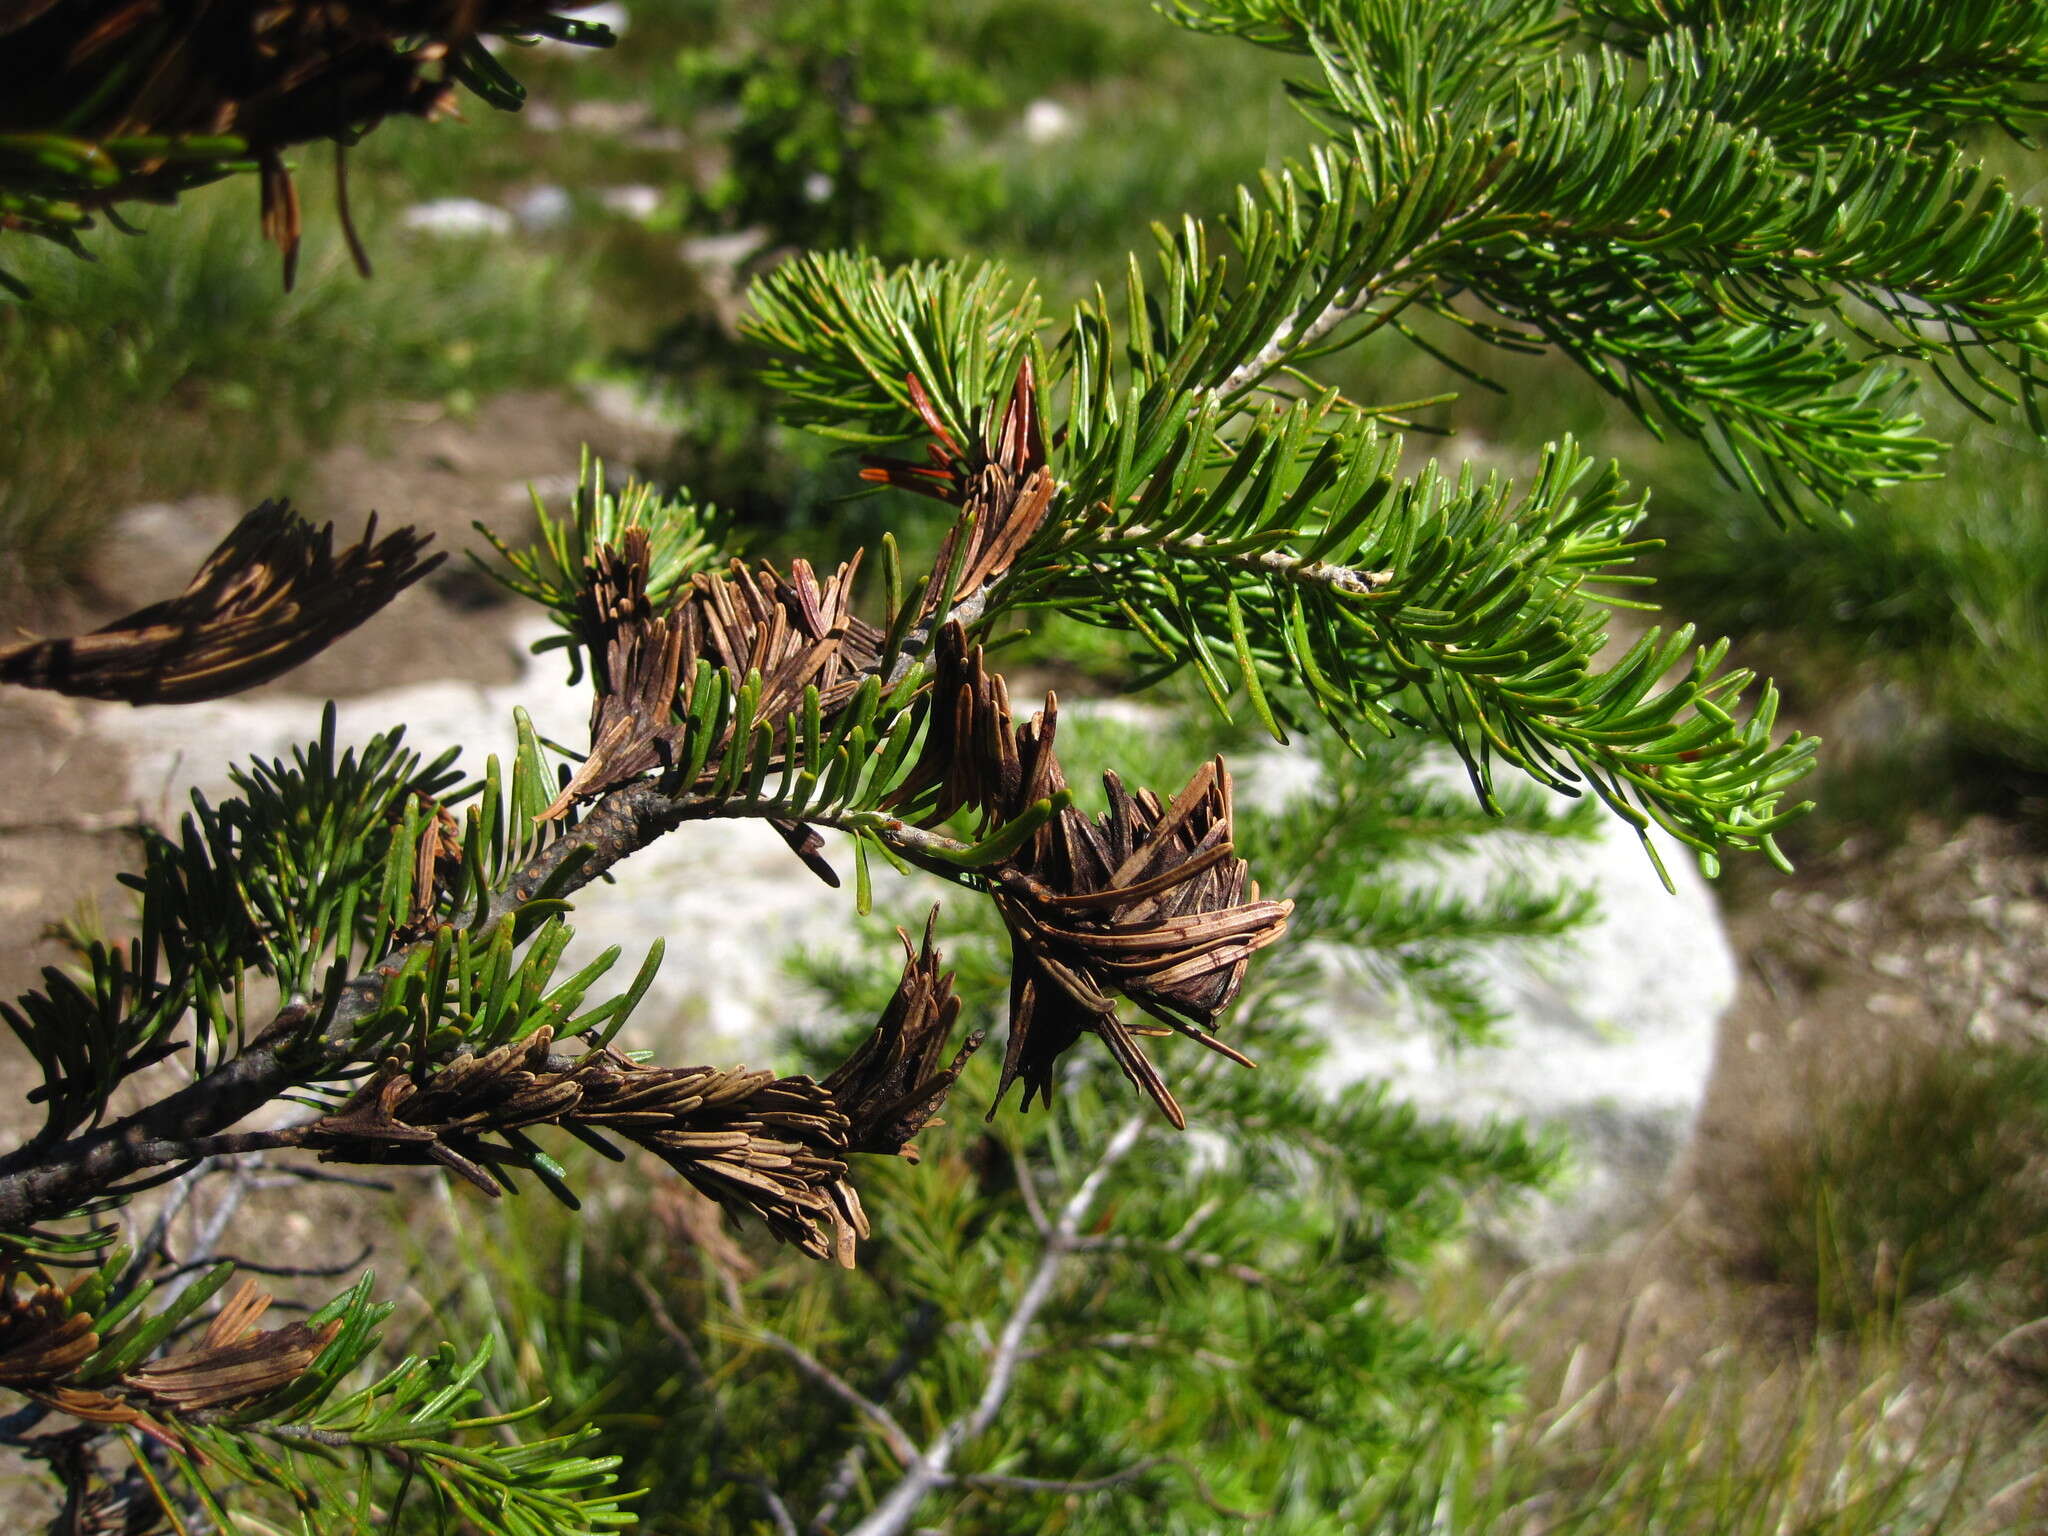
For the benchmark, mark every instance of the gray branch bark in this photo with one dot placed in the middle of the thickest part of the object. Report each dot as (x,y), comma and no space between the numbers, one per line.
(932,1467)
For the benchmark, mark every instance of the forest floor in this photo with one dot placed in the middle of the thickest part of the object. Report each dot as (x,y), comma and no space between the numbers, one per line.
(1860,976)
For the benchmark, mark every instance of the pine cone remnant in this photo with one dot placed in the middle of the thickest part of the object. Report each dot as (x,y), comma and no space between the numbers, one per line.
(273,594)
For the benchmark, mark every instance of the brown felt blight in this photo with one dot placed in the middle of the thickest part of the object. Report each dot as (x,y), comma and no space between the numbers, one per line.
(1148,900)
(181,94)
(275,593)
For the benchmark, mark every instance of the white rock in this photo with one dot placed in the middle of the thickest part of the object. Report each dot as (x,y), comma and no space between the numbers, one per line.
(1047,121)
(659,140)
(613,118)
(147,543)
(716,255)
(1609,1035)
(632,404)
(637,202)
(457,216)
(556,492)
(720,262)
(542,208)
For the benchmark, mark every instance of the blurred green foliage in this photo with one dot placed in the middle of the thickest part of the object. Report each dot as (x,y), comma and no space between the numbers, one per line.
(175,362)
(1940,591)
(841,131)
(917,129)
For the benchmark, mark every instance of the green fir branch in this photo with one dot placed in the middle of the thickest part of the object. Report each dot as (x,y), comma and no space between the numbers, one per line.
(843,336)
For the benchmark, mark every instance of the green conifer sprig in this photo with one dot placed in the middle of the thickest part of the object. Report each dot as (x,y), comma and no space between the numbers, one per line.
(279,881)
(318,871)
(312,1440)
(1380,599)
(844,335)
(1275,550)
(451,1464)
(277,1409)
(1839,73)
(551,570)
(484,989)
(1648,221)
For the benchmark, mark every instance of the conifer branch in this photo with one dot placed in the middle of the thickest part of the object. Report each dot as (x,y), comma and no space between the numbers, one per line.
(1289,341)
(898,1439)
(39,1183)
(930,1468)
(1754,226)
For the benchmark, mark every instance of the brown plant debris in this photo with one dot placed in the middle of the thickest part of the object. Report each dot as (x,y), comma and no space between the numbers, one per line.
(756,1142)
(272,595)
(969,754)
(234,1362)
(109,101)
(45,1340)
(436,866)
(892,1085)
(753,1141)
(1147,900)
(795,631)
(637,658)
(1004,490)
(42,1339)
